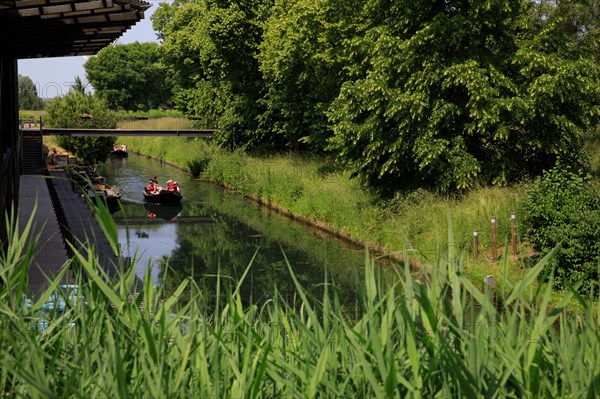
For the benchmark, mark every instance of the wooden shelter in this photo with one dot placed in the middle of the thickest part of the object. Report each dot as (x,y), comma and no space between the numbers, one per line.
(47,28)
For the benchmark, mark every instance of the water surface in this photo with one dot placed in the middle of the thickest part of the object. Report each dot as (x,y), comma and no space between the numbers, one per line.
(217,233)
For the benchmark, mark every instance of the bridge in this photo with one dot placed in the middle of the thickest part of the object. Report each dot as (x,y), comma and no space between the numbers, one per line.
(31,133)
(118,132)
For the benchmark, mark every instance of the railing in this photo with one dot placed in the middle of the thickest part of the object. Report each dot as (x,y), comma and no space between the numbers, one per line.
(121,132)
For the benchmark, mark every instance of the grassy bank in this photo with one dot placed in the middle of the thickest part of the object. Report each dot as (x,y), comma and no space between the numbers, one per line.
(441,337)
(313,188)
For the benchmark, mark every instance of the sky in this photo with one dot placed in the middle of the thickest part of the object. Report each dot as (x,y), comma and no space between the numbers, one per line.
(54,76)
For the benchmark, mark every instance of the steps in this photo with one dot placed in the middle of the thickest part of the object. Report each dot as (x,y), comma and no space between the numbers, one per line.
(32,156)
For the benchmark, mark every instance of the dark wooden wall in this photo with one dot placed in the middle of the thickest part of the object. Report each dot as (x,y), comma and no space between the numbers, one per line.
(9,140)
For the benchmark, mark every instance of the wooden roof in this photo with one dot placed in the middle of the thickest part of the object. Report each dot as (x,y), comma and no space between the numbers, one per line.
(53,28)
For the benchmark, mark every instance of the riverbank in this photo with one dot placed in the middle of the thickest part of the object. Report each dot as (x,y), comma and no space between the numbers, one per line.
(313,190)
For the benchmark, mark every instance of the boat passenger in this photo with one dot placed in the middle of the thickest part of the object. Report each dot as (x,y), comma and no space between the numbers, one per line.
(123,147)
(152,187)
(170,185)
(175,187)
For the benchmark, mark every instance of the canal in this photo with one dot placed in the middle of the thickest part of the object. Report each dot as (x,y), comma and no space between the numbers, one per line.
(215,234)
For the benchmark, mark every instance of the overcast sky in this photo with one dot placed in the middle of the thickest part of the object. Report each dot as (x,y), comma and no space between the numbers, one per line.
(54,76)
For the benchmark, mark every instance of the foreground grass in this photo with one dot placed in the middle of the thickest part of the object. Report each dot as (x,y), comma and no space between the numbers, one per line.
(440,337)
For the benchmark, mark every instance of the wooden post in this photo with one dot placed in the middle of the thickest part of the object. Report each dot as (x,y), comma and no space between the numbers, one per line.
(494,253)
(489,283)
(513,233)
(475,244)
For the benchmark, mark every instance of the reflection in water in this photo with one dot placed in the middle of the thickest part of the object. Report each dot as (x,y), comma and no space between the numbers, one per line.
(213,233)
(165,212)
(147,244)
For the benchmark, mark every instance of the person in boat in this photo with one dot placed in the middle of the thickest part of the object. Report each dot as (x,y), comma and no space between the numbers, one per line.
(157,188)
(152,187)
(176,187)
(124,148)
(170,185)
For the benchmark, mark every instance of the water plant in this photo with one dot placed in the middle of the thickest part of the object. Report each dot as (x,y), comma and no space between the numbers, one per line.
(424,334)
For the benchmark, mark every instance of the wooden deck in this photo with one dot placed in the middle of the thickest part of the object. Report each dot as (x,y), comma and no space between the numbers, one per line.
(56,222)
(50,254)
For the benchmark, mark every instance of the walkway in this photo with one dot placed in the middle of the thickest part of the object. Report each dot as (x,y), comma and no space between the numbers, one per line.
(50,254)
(80,228)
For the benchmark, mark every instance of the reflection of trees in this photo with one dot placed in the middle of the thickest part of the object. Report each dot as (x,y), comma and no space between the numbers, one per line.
(239,232)
(229,245)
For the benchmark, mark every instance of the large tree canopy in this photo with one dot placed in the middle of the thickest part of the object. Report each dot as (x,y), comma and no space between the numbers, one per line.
(302,60)
(447,94)
(129,76)
(212,46)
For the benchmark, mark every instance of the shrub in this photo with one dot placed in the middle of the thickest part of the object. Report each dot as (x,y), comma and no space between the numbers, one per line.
(85,111)
(198,165)
(563,208)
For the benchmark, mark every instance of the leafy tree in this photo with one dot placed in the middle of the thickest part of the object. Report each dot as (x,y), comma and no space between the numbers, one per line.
(213,46)
(451,94)
(85,111)
(28,96)
(302,61)
(130,76)
(78,85)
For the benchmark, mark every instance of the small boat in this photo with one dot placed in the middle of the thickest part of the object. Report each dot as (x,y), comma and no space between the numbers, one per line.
(162,197)
(111,194)
(119,153)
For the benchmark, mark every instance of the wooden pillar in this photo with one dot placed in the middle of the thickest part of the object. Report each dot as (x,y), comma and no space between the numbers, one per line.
(9,140)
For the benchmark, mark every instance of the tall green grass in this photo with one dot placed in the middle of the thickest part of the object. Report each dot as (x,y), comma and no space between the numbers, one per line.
(437,337)
(153,123)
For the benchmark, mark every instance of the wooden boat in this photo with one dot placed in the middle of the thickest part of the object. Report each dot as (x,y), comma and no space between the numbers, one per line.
(110,194)
(119,153)
(162,197)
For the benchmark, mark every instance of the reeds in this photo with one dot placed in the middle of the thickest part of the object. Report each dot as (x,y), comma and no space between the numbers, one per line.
(439,336)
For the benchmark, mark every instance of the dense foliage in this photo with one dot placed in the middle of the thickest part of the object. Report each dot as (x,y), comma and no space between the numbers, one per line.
(212,47)
(28,95)
(563,209)
(442,94)
(86,111)
(427,338)
(130,77)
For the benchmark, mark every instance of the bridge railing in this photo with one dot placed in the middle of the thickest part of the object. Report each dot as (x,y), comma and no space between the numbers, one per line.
(122,132)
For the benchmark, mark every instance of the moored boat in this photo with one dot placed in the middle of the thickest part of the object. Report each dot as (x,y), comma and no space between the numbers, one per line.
(162,196)
(111,194)
(119,153)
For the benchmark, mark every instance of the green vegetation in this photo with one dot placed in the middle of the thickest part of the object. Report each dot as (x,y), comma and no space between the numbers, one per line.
(150,114)
(28,95)
(77,109)
(315,188)
(414,94)
(563,209)
(130,77)
(440,336)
